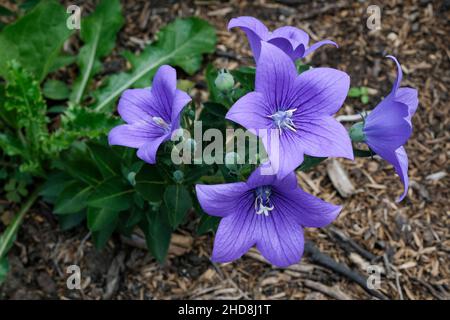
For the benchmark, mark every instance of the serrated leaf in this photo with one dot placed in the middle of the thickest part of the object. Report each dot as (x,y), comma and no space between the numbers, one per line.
(178,201)
(55,90)
(35,39)
(149,183)
(73,198)
(100,218)
(181,43)
(98,32)
(112,194)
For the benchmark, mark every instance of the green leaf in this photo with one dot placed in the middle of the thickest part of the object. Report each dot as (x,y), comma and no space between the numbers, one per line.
(108,162)
(100,218)
(69,221)
(178,202)
(246,77)
(365,99)
(112,194)
(35,39)
(98,32)
(73,198)
(354,92)
(181,43)
(4,269)
(102,236)
(310,162)
(56,181)
(149,183)
(211,75)
(5,11)
(157,233)
(55,90)
(207,224)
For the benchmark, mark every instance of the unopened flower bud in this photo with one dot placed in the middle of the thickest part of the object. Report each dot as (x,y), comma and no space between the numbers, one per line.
(178,176)
(224,81)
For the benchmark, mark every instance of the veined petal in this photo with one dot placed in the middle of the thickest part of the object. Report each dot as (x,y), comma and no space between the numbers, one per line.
(306,209)
(147,151)
(266,175)
(275,74)
(398,80)
(236,233)
(408,96)
(295,36)
(317,45)
(285,151)
(251,111)
(324,137)
(280,240)
(163,90)
(136,105)
(320,91)
(255,31)
(221,199)
(387,127)
(399,160)
(134,135)
(180,100)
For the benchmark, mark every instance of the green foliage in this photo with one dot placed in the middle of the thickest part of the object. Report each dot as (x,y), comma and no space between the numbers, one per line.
(98,32)
(178,201)
(35,39)
(55,90)
(181,43)
(359,92)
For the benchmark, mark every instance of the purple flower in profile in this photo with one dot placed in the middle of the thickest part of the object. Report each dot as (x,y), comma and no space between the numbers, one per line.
(151,114)
(264,211)
(298,108)
(293,41)
(388,127)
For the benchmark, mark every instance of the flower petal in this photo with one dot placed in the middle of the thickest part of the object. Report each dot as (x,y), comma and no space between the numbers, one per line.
(285,151)
(137,104)
(317,45)
(398,80)
(408,96)
(275,74)
(279,239)
(386,127)
(163,90)
(324,137)
(220,199)
(134,135)
(147,152)
(266,175)
(251,111)
(306,209)
(236,233)
(255,31)
(320,91)
(180,100)
(399,159)
(295,36)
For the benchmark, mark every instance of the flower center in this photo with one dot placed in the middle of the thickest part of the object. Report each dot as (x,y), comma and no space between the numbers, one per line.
(263,205)
(161,123)
(283,119)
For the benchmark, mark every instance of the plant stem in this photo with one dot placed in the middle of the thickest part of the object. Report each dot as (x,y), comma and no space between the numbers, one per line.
(7,238)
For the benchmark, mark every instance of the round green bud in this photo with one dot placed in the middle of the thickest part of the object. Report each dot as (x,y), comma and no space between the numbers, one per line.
(224,81)
(178,176)
(232,160)
(357,132)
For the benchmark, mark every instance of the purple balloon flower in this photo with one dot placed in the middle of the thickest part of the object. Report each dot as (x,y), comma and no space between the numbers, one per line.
(264,211)
(151,114)
(297,108)
(388,127)
(293,41)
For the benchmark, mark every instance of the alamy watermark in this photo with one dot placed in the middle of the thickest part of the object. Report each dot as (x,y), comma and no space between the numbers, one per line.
(74,20)
(374,19)
(74,280)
